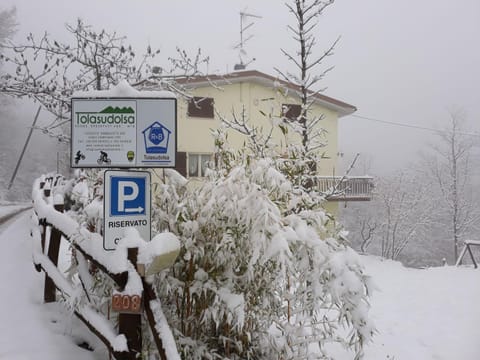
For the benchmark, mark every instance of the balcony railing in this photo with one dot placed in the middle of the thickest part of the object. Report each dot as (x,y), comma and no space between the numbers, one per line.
(349,188)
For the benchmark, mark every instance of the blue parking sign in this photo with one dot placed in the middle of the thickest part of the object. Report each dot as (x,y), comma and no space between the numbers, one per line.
(128,196)
(126,204)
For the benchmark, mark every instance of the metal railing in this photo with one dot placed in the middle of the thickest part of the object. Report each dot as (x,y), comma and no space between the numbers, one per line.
(349,188)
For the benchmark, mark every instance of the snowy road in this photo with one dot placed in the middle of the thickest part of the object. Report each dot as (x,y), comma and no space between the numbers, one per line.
(29,329)
(8,214)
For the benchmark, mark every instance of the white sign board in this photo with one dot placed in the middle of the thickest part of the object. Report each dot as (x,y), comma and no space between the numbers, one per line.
(126,203)
(123,132)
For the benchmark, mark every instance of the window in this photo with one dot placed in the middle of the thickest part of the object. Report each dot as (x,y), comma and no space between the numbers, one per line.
(197,164)
(291,111)
(200,107)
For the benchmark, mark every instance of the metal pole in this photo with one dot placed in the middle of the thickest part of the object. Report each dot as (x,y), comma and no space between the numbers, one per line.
(24,148)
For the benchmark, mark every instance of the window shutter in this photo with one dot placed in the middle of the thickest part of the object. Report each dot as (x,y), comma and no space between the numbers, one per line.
(291,111)
(181,163)
(200,107)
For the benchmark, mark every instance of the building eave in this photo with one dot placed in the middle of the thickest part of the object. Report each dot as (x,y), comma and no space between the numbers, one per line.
(257,77)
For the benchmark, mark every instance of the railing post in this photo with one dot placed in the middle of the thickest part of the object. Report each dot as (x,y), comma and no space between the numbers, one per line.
(42,222)
(46,190)
(43,227)
(57,180)
(49,294)
(149,295)
(131,324)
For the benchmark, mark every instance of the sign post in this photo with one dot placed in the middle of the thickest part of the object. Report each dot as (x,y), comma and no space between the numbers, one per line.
(126,128)
(127,203)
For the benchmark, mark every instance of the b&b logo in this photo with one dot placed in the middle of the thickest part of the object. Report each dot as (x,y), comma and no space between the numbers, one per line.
(156,138)
(156,135)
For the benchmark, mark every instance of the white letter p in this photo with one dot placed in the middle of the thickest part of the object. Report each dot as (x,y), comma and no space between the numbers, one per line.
(123,197)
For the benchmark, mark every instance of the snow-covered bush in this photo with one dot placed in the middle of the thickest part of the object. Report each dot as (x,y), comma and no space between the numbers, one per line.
(262,274)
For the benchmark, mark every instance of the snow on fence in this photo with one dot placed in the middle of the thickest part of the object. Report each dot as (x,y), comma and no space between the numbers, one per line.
(122,266)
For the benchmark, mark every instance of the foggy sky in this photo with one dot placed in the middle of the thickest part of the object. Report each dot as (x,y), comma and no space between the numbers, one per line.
(397,61)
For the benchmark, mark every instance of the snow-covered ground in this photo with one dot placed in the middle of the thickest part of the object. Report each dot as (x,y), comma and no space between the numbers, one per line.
(425,314)
(420,314)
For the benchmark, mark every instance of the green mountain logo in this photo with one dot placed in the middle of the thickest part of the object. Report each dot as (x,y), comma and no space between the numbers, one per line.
(117,110)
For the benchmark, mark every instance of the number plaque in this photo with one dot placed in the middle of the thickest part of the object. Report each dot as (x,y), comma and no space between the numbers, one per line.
(131,304)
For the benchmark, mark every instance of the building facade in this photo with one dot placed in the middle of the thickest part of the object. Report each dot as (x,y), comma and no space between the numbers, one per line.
(264,101)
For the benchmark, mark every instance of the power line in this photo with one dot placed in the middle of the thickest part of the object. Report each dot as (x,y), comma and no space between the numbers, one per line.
(413,126)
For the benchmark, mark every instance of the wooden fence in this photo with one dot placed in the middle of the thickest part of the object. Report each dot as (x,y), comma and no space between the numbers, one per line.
(468,248)
(134,294)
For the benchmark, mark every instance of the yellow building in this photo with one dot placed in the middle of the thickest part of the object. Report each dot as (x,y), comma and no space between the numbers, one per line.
(263,100)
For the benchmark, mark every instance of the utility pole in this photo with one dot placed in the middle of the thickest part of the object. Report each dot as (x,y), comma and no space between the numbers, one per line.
(24,149)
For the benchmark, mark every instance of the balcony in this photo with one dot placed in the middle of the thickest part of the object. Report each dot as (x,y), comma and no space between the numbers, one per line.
(346,188)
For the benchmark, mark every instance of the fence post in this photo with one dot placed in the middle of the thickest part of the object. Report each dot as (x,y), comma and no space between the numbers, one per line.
(49,294)
(42,222)
(149,294)
(131,324)
(57,180)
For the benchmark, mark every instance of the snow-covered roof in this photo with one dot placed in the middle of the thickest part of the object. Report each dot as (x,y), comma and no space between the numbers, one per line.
(254,76)
(124,90)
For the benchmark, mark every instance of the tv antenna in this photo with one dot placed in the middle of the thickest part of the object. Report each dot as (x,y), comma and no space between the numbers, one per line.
(244,26)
